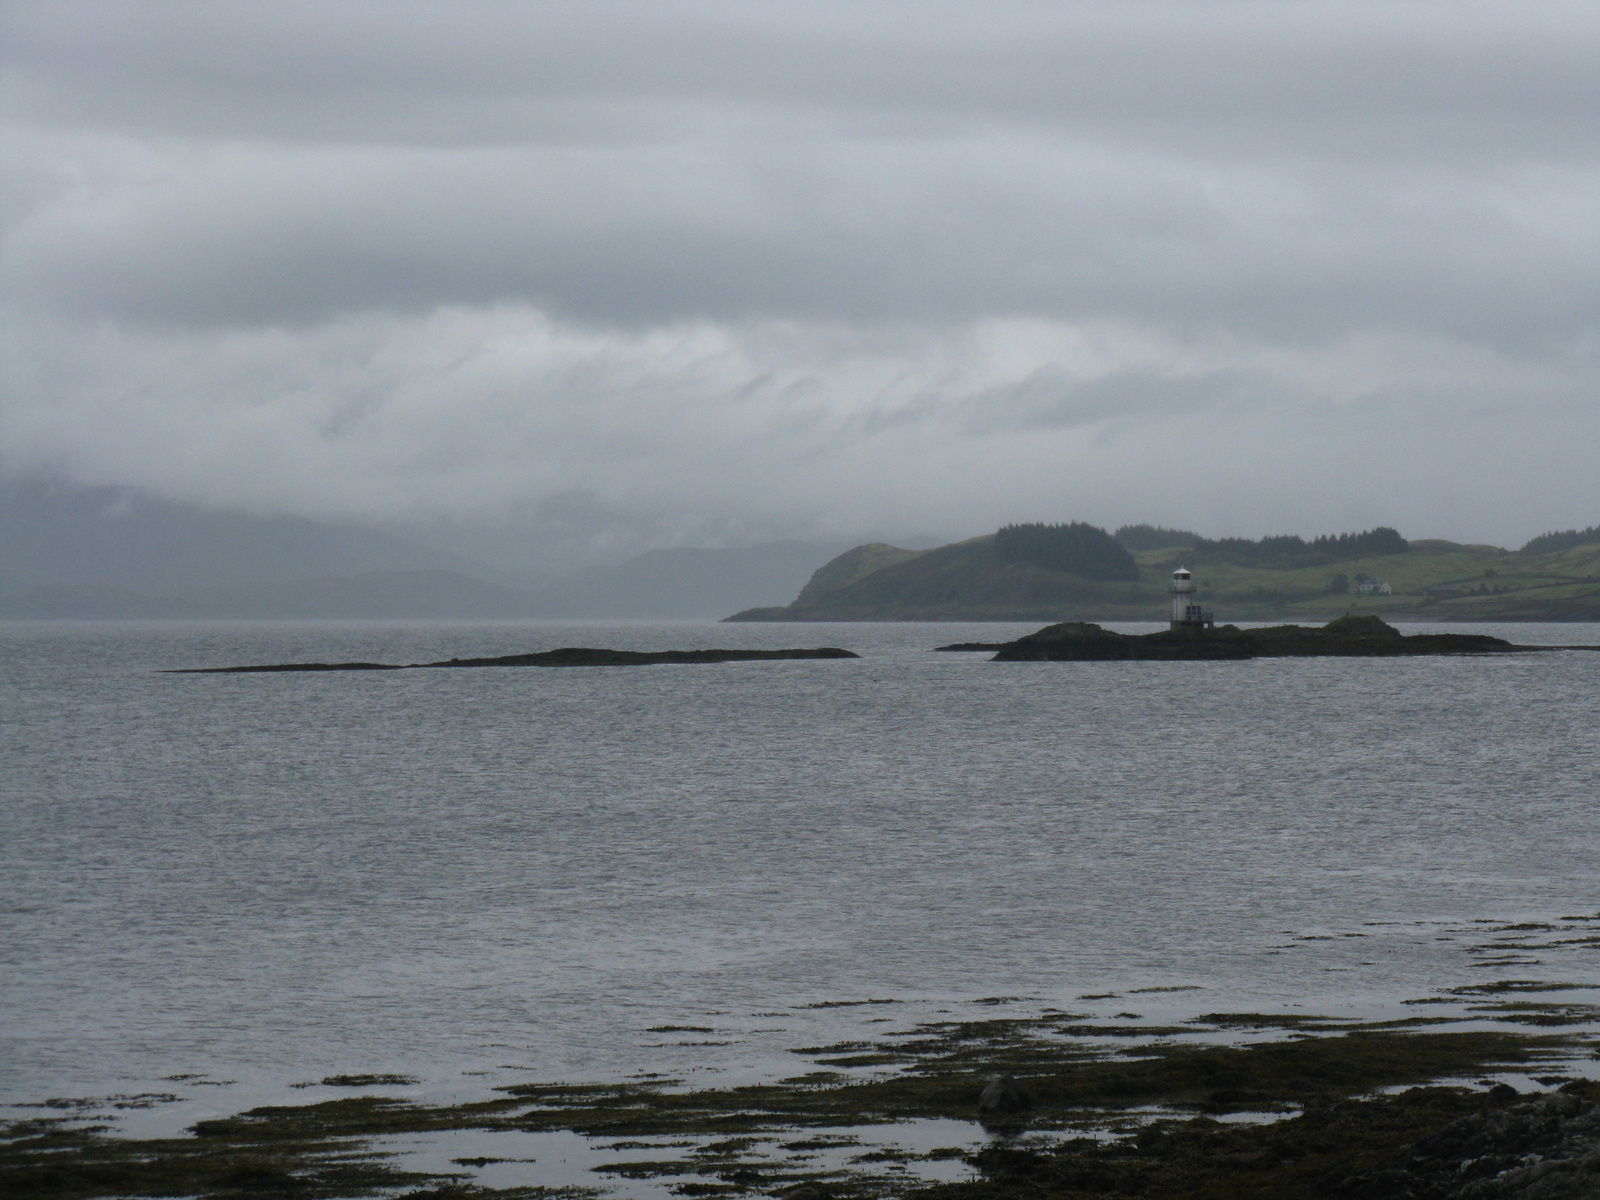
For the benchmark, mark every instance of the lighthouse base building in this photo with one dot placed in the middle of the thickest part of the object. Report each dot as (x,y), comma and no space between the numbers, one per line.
(1186,614)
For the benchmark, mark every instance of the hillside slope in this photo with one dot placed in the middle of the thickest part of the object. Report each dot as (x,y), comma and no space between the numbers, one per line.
(1430,581)
(967,581)
(1276,578)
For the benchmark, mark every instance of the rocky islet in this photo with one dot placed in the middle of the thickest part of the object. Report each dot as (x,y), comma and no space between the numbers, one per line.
(1346,637)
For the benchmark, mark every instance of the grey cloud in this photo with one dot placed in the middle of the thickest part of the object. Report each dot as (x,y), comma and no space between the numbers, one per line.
(950,229)
(789,429)
(760,269)
(1348,75)
(1283,167)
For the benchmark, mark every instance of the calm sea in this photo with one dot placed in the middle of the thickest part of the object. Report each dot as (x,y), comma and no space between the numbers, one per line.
(511,874)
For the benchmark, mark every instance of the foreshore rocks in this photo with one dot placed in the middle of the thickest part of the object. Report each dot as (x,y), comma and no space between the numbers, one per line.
(1157,1115)
(1427,1143)
(1544,1148)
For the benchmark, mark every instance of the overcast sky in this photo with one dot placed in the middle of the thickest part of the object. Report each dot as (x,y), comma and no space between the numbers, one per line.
(713,273)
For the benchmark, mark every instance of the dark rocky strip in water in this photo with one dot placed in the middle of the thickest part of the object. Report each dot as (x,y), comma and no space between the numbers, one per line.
(1153,1106)
(1424,1144)
(1347,637)
(567,656)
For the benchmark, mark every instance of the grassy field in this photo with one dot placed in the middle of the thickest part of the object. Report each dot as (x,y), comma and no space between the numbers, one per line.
(1470,583)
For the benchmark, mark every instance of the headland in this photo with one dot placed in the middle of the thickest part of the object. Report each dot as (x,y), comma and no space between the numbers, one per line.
(1077,571)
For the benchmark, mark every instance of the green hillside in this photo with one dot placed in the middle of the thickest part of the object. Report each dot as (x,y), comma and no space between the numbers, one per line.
(850,566)
(1012,576)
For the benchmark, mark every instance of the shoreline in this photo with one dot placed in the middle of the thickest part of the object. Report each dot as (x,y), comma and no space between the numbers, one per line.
(1162,1103)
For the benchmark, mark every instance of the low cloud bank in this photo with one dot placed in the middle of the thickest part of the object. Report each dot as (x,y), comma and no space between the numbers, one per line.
(734,433)
(715,274)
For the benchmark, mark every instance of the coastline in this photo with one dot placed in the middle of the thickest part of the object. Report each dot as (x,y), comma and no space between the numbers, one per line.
(1236,1104)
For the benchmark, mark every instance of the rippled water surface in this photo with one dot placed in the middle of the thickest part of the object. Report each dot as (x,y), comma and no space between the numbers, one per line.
(521,871)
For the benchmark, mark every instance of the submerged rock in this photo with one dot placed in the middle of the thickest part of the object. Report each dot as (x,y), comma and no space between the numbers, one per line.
(1003,1095)
(583,656)
(567,656)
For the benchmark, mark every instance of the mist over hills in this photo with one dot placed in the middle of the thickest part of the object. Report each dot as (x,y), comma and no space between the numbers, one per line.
(396,595)
(686,583)
(121,538)
(109,553)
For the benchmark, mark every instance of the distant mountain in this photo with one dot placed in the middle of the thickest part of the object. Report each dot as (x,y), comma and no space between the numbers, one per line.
(1037,577)
(114,553)
(376,594)
(84,601)
(54,535)
(686,583)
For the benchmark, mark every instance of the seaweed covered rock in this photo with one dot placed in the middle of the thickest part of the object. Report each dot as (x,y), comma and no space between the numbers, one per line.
(586,656)
(566,656)
(1428,1143)
(1347,637)
(1363,637)
(1081,641)
(1002,1100)
(1544,1148)
(1358,627)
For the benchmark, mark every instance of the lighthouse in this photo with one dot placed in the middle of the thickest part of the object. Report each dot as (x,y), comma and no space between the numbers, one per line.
(1186,614)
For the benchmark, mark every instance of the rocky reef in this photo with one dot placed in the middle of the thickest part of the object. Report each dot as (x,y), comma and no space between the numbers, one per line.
(1347,637)
(1431,1143)
(1545,1147)
(567,656)
(1323,1118)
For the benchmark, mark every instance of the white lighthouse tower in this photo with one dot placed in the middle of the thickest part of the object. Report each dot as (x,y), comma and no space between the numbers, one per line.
(1186,614)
